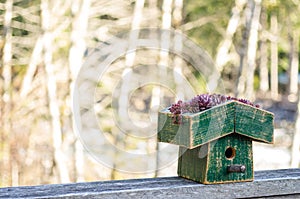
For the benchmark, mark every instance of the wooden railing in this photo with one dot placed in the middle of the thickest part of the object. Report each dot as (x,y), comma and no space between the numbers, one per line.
(273,184)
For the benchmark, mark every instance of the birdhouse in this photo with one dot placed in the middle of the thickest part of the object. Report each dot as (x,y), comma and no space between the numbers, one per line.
(216,144)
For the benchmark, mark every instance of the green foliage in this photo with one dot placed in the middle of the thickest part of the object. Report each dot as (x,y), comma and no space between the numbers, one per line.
(283,60)
(217,14)
(196,9)
(206,36)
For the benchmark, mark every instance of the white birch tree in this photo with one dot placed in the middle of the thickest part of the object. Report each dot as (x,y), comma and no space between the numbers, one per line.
(123,101)
(294,65)
(242,71)
(80,11)
(274,56)
(162,63)
(223,56)
(263,68)
(295,158)
(57,137)
(7,94)
(252,48)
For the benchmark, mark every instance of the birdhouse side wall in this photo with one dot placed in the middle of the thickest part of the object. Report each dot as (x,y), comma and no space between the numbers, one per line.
(173,133)
(192,163)
(196,129)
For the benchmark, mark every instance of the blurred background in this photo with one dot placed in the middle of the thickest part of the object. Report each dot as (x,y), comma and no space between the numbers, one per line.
(254,45)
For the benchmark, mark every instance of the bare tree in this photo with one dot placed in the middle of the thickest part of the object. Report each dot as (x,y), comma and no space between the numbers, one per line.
(178,62)
(80,11)
(295,159)
(252,48)
(126,75)
(130,57)
(222,56)
(43,44)
(163,55)
(242,72)
(294,65)
(263,68)
(274,56)
(163,61)
(7,95)
(32,67)
(57,137)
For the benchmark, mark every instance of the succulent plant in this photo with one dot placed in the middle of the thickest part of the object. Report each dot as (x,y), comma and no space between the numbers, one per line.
(200,103)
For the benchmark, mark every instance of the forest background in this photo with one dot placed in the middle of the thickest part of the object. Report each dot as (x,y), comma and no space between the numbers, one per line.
(254,45)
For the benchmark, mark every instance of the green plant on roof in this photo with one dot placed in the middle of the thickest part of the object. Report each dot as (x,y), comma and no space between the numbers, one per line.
(200,103)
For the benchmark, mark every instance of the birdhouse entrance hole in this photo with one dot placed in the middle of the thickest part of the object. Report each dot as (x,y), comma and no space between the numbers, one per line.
(230,153)
(209,154)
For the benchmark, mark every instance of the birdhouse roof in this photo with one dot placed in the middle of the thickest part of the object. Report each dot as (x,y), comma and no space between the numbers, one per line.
(232,117)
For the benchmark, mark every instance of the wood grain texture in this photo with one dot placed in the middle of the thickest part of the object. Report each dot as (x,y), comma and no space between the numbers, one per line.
(200,128)
(255,123)
(217,167)
(208,163)
(212,124)
(272,184)
(192,163)
(197,128)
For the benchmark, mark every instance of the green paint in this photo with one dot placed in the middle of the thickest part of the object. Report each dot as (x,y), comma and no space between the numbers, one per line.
(254,123)
(192,163)
(203,127)
(218,162)
(204,138)
(208,163)
(212,124)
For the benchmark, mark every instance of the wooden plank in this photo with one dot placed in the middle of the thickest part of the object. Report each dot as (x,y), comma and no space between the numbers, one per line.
(273,184)
(170,132)
(208,163)
(200,128)
(197,128)
(212,124)
(192,163)
(218,162)
(253,122)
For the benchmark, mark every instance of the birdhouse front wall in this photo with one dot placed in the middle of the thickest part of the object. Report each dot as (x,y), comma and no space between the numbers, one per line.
(209,163)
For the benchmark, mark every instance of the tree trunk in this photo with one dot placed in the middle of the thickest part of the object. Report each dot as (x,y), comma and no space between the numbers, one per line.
(295,159)
(32,66)
(178,62)
(129,59)
(52,95)
(242,73)
(252,47)
(274,57)
(80,11)
(7,96)
(294,65)
(162,63)
(126,77)
(222,55)
(263,68)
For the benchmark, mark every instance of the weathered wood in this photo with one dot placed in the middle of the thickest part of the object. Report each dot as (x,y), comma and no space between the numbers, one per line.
(273,184)
(225,132)
(255,123)
(209,163)
(197,129)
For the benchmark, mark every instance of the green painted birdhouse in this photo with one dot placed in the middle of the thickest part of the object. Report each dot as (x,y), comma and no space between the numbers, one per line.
(216,144)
